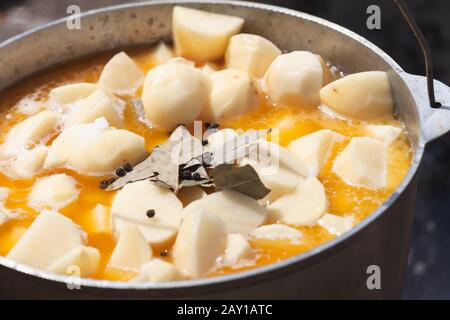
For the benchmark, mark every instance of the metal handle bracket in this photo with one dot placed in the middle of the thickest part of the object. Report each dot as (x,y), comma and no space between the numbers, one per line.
(425,50)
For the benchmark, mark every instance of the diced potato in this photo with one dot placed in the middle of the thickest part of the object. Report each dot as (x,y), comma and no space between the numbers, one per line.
(363,163)
(95,148)
(31,131)
(336,225)
(3,218)
(280,183)
(4,193)
(363,96)
(233,93)
(50,237)
(131,250)
(201,240)
(5,214)
(250,53)
(386,134)
(121,75)
(304,206)
(97,105)
(53,192)
(29,162)
(190,194)
(174,93)
(314,149)
(220,137)
(240,213)
(278,168)
(237,249)
(157,270)
(181,60)
(130,206)
(86,259)
(202,36)
(99,219)
(72,92)
(277,232)
(295,79)
(161,54)
(209,68)
(328,75)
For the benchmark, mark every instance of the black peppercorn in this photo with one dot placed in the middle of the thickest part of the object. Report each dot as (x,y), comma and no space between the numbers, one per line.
(186,175)
(164,253)
(104,184)
(197,176)
(150,213)
(205,142)
(127,167)
(121,172)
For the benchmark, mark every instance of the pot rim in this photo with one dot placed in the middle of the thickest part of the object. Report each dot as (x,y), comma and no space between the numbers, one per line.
(273,269)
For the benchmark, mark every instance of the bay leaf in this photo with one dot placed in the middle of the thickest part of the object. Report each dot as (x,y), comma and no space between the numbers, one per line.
(161,166)
(242,179)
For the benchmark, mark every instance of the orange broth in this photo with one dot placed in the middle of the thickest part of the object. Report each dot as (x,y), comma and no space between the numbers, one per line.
(291,121)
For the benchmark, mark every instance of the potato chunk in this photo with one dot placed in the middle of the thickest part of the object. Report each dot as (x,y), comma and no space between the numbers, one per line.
(295,79)
(384,133)
(363,163)
(201,240)
(174,93)
(233,93)
(131,250)
(5,214)
(86,259)
(131,204)
(31,131)
(29,162)
(278,168)
(202,36)
(304,206)
(363,96)
(314,149)
(250,53)
(240,213)
(277,232)
(4,193)
(238,249)
(95,148)
(190,194)
(336,225)
(97,105)
(209,68)
(161,54)
(3,218)
(72,92)
(53,192)
(99,220)
(121,75)
(221,137)
(50,237)
(157,270)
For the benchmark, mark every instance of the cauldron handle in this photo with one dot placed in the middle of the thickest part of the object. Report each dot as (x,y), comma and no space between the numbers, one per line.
(435,121)
(425,50)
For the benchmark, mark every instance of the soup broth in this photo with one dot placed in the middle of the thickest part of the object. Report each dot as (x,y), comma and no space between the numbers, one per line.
(30,96)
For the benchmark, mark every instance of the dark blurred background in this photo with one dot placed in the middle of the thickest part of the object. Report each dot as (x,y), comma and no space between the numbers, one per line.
(428,274)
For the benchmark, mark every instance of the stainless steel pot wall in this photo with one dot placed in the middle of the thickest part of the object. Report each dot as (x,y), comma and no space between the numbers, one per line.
(337,269)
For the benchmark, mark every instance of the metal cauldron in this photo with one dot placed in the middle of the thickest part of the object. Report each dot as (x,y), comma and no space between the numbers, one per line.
(337,269)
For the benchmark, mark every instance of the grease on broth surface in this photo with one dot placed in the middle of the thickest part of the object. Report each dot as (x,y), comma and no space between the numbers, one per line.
(343,199)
